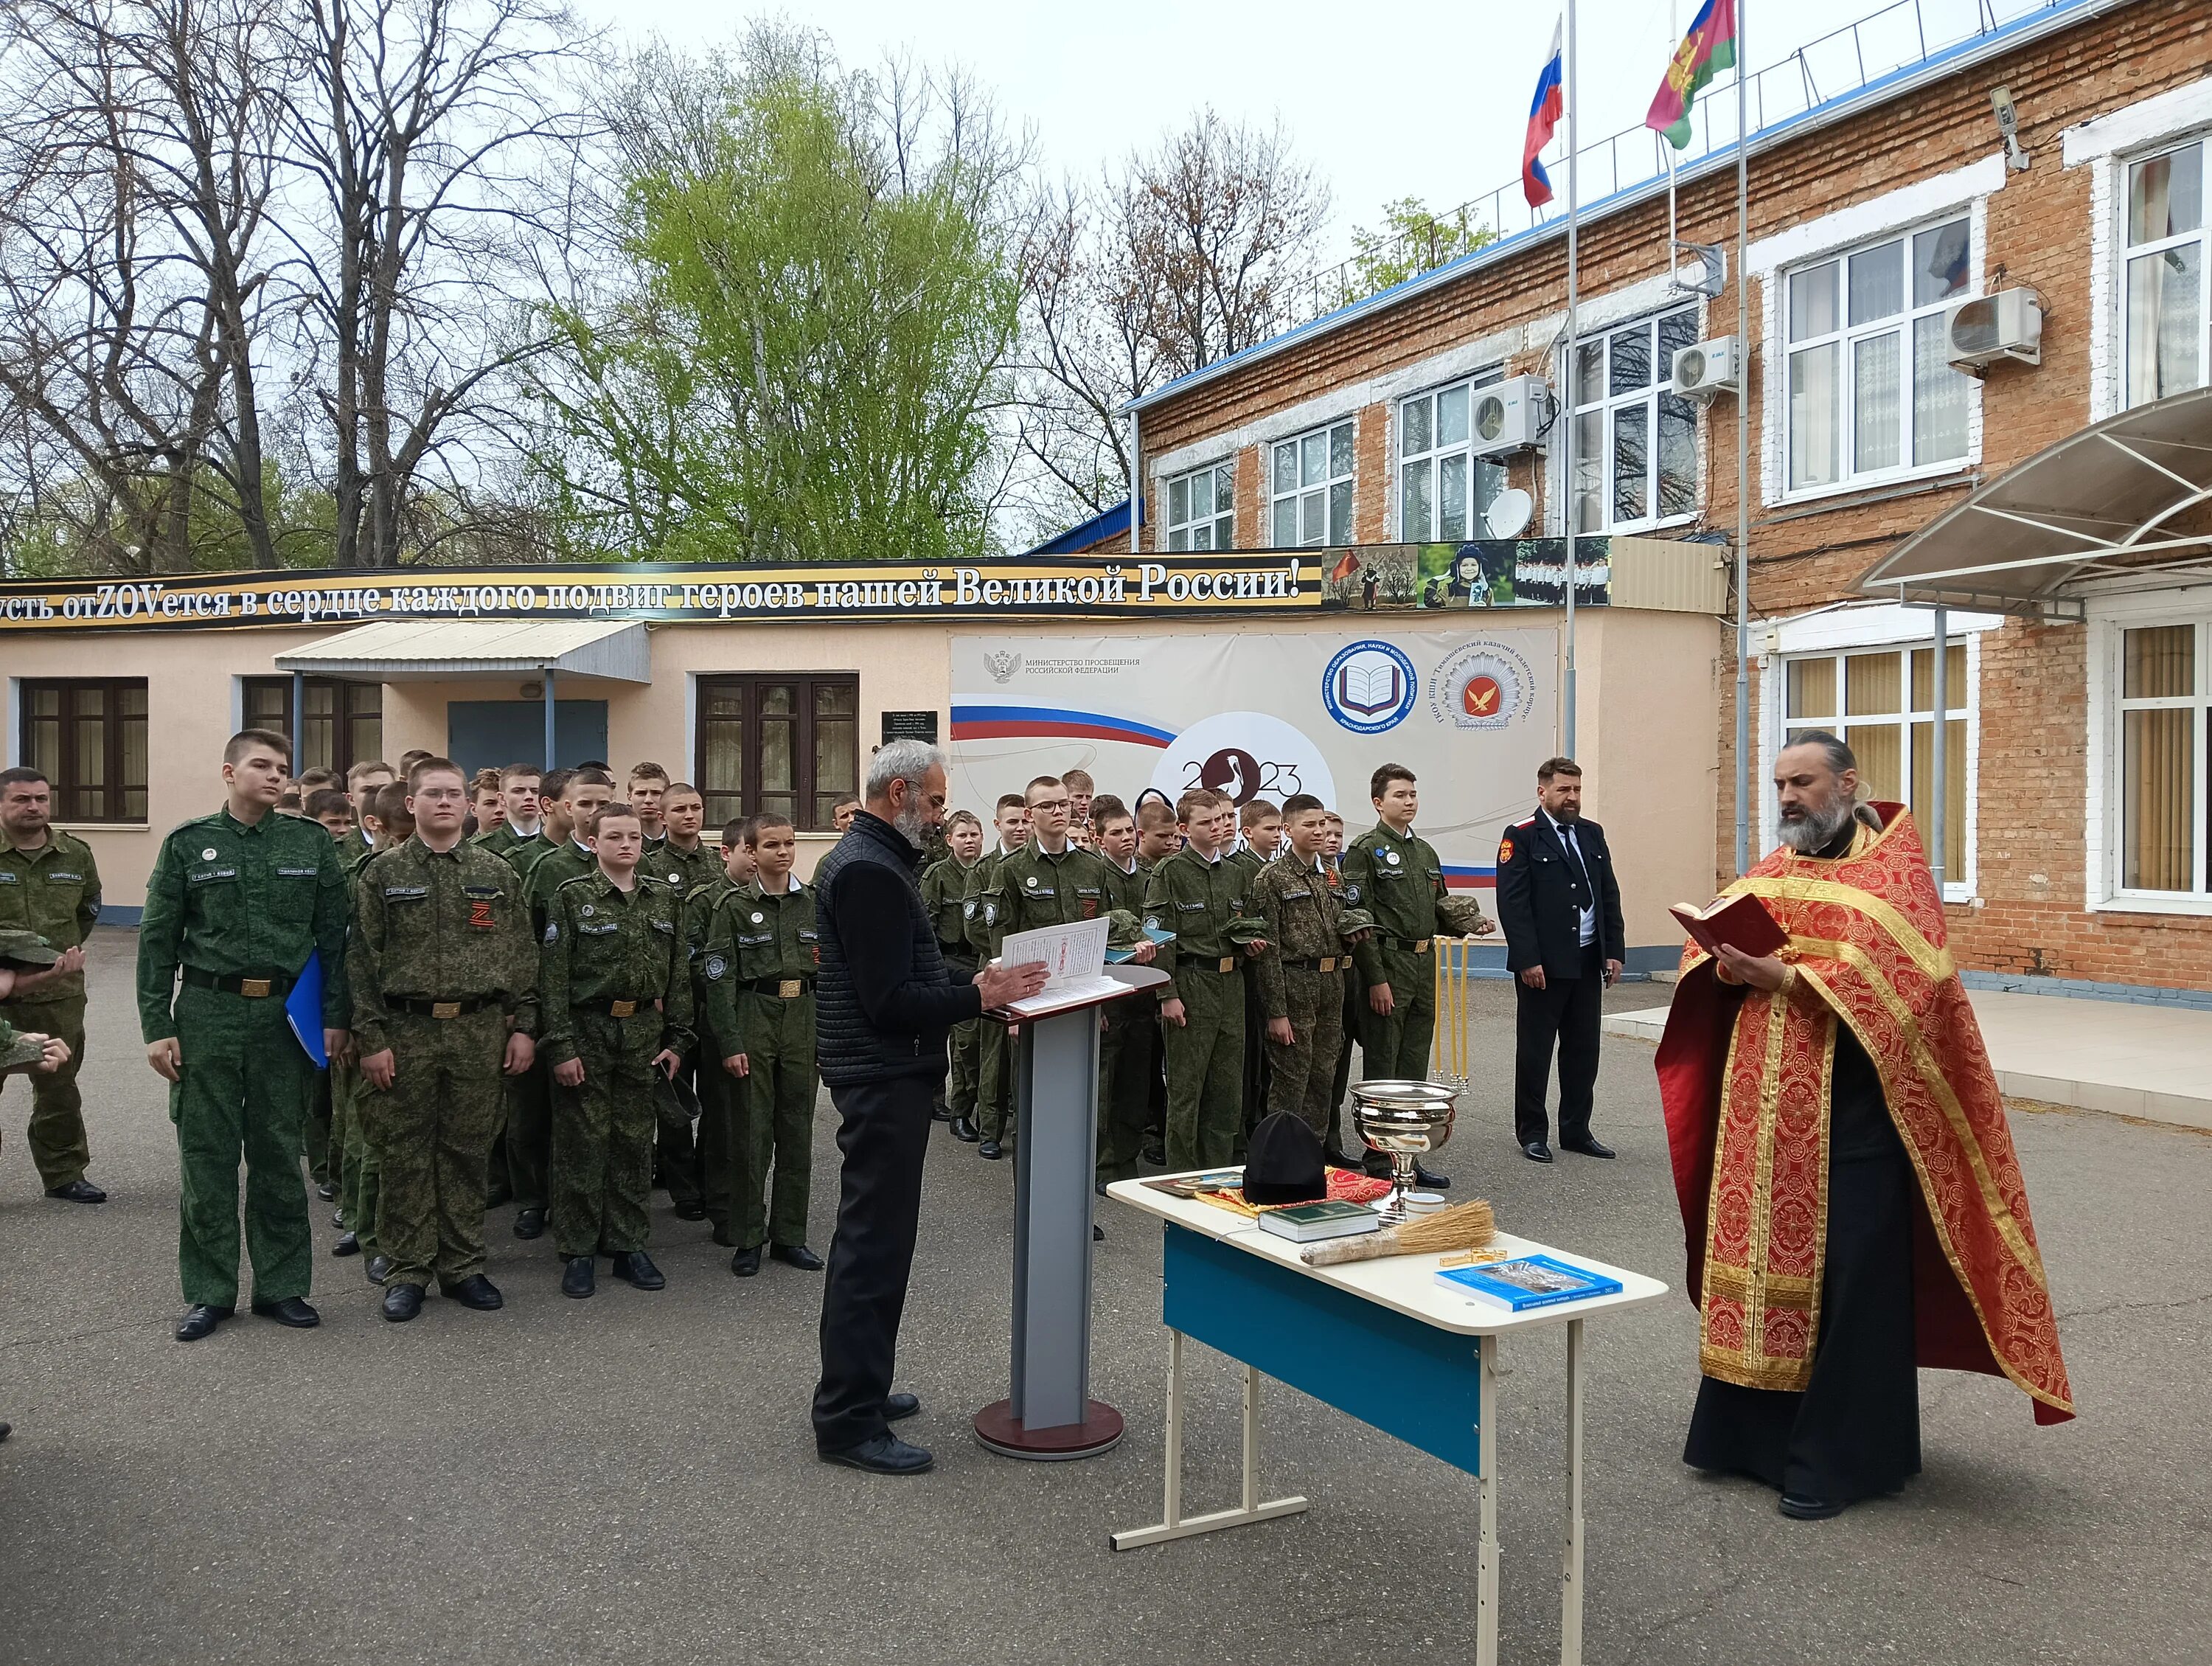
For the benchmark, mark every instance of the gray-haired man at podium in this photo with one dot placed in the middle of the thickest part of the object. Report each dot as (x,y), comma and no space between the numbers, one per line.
(884,1004)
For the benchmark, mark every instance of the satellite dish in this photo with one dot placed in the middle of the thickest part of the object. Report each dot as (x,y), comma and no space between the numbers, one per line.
(1509,514)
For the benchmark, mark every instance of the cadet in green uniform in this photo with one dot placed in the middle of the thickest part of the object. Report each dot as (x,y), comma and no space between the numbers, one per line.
(518,786)
(387,824)
(444,971)
(49,886)
(1199,896)
(329,808)
(1260,828)
(718,1089)
(1397,877)
(237,902)
(614,991)
(545,869)
(1301,976)
(759,973)
(1129,1046)
(944,884)
(688,864)
(995,1112)
(1046,882)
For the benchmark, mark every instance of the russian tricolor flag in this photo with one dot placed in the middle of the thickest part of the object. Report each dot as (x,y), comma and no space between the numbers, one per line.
(1544,113)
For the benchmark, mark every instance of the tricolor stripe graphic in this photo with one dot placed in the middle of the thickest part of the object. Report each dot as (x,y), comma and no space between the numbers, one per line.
(1457,878)
(1052,722)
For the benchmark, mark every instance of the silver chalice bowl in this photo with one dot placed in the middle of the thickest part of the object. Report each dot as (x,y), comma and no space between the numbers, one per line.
(1402,1120)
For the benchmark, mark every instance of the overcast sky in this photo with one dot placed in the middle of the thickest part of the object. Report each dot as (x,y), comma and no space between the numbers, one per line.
(1425,100)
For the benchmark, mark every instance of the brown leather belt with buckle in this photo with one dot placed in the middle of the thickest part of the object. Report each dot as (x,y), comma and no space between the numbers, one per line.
(1410,945)
(782,988)
(613,1009)
(1327,962)
(1226,963)
(253,988)
(430,1007)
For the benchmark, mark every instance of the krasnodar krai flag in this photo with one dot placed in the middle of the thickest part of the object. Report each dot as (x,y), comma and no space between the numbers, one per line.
(1544,113)
(1709,48)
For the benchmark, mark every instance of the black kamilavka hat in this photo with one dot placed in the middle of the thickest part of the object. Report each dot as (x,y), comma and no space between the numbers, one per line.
(1284,1164)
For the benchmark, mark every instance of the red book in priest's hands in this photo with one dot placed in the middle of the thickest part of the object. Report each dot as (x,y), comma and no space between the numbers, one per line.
(1741,922)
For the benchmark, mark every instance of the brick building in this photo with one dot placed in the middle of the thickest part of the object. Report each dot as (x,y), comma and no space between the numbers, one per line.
(2079,701)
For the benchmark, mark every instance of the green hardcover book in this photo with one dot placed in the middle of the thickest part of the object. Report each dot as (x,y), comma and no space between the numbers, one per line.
(1310,1223)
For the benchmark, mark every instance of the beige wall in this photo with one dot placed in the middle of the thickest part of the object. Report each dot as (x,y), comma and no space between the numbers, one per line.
(1647,720)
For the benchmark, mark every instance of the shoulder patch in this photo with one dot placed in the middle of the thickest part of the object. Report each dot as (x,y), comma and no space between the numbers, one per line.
(552,931)
(716,967)
(1506,849)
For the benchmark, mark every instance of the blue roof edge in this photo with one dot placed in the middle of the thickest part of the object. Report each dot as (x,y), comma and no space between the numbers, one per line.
(1107,522)
(1958,55)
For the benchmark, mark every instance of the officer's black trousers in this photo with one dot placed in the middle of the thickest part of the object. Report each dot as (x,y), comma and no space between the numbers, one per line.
(883,1135)
(1565,1011)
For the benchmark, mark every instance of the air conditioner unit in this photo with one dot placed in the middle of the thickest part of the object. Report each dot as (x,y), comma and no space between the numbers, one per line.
(1706,369)
(1511,415)
(2007,325)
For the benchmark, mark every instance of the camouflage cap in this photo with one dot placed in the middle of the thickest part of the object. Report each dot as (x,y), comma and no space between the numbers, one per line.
(19,1052)
(22,948)
(1124,930)
(1246,928)
(1350,922)
(1459,915)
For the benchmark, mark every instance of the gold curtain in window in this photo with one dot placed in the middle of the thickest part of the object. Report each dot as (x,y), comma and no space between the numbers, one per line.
(2159,793)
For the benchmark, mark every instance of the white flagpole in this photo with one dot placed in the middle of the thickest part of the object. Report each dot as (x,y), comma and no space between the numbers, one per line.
(1743,446)
(1568,378)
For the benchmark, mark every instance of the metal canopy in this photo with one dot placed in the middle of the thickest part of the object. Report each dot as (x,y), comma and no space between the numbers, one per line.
(2095,510)
(398,651)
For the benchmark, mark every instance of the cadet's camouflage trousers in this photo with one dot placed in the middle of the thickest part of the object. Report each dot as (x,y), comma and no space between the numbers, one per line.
(361,1168)
(965,1044)
(434,1126)
(1206,1068)
(242,1092)
(1301,1076)
(315,1129)
(56,1134)
(1129,1059)
(994,1083)
(772,1143)
(1396,1049)
(529,1137)
(602,1135)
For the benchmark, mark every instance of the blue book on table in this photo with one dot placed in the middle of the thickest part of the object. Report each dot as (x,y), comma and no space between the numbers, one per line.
(1525,1282)
(303,1009)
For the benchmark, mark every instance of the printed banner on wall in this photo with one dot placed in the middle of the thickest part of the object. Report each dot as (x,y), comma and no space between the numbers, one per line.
(1266,716)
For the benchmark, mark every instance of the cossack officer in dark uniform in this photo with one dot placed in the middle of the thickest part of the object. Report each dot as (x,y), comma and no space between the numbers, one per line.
(1560,906)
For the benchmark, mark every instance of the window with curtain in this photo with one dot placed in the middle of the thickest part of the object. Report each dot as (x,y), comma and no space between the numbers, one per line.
(86,736)
(1882,702)
(782,742)
(343,724)
(2164,312)
(1310,489)
(1443,487)
(1871,393)
(1636,444)
(1201,508)
(2163,727)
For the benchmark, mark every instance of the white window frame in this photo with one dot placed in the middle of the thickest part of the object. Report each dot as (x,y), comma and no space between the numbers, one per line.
(1211,522)
(2200,239)
(1846,336)
(1608,405)
(1439,452)
(2109,621)
(1322,489)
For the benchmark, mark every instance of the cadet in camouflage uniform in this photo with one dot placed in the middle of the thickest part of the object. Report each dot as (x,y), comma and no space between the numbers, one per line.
(1259,829)
(688,865)
(517,786)
(1301,976)
(718,1089)
(1048,882)
(994,1087)
(237,902)
(1129,1046)
(49,886)
(759,971)
(545,867)
(944,886)
(444,971)
(1199,896)
(387,822)
(615,994)
(1398,878)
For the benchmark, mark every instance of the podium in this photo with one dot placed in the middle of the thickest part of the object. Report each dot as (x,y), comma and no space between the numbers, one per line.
(1050,1415)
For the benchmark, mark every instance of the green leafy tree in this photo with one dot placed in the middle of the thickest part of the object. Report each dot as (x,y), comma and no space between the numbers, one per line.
(802,351)
(1410,240)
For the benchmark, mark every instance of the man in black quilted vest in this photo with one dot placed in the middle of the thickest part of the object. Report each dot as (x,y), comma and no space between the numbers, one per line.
(883,1003)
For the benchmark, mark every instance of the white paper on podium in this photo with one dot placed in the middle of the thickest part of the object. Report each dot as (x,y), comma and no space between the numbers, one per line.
(1074,959)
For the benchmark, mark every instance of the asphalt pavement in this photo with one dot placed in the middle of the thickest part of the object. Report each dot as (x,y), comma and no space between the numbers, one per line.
(632,1478)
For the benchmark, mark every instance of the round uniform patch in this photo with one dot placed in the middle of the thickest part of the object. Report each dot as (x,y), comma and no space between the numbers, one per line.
(1151,922)
(716,967)
(675,878)
(208,855)
(1031,882)
(758,919)
(552,933)
(1391,857)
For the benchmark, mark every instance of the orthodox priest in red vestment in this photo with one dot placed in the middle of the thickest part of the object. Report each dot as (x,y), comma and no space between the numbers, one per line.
(1852,1204)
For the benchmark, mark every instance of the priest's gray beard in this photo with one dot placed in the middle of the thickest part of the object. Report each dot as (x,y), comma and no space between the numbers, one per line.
(909,821)
(1812,830)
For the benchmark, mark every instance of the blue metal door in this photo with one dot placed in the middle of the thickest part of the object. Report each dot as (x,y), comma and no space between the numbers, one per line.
(490,734)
